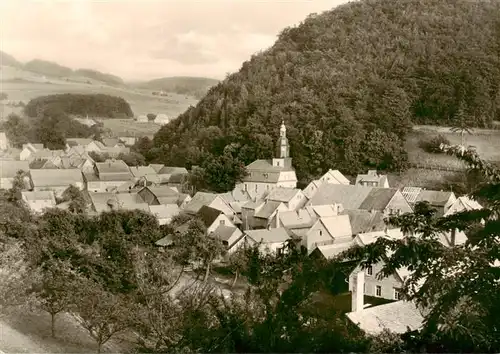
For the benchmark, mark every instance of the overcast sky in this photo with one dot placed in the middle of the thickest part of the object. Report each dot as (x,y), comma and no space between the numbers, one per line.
(143,39)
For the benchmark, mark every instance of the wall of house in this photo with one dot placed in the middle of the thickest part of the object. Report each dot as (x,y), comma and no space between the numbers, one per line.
(239,241)
(247,218)
(297,202)
(287,176)
(38,205)
(258,188)
(58,190)
(25,154)
(221,220)
(100,186)
(271,247)
(310,190)
(387,284)
(219,204)
(398,202)
(317,234)
(148,197)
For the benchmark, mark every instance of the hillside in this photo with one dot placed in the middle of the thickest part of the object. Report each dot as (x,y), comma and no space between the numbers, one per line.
(185,85)
(99,76)
(349,84)
(47,68)
(8,60)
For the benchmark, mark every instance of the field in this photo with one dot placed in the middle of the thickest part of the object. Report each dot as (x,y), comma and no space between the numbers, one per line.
(23,87)
(129,127)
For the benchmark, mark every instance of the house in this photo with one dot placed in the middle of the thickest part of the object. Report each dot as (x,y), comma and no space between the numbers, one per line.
(8,171)
(142,171)
(28,150)
(161,119)
(335,177)
(108,175)
(363,221)
(82,142)
(293,198)
(327,231)
(372,179)
(95,146)
(212,200)
(212,218)
(165,212)
(439,200)
(265,175)
(56,180)
(153,195)
(4,142)
(157,167)
(462,204)
(230,236)
(330,251)
(142,119)
(320,211)
(38,201)
(297,222)
(353,197)
(261,214)
(271,240)
(107,201)
(127,140)
(312,188)
(167,174)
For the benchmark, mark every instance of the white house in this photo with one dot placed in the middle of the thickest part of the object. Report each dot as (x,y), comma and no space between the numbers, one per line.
(38,201)
(327,231)
(28,150)
(266,175)
(164,212)
(335,177)
(56,180)
(212,200)
(4,142)
(372,179)
(162,119)
(8,171)
(293,198)
(142,119)
(230,236)
(213,218)
(271,240)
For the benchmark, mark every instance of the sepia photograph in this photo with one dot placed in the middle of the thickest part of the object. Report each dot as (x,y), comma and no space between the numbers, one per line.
(249,176)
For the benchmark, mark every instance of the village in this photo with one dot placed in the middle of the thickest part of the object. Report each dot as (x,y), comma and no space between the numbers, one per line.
(266,208)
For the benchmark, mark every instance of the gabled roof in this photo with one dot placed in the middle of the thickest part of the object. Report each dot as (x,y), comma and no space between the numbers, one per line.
(169,170)
(282,194)
(141,171)
(56,178)
(333,250)
(372,176)
(33,146)
(9,169)
(156,166)
(78,141)
(350,196)
(237,195)
(337,226)
(296,219)
(208,215)
(268,236)
(411,193)
(128,199)
(165,241)
(267,209)
(224,232)
(365,220)
(378,199)
(462,204)
(322,210)
(138,206)
(266,166)
(435,198)
(163,191)
(164,211)
(397,317)
(110,142)
(337,176)
(200,199)
(253,204)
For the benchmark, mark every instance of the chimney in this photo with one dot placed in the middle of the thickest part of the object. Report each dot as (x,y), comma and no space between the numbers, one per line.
(358,291)
(277,218)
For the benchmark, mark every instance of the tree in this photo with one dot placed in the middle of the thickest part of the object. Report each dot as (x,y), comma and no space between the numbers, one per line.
(54,289)
(17,130)
(223,172)
(97,157)
(457,286)
(102,313)
(462,123)
(238,263)
(18,185)
(132,159)
(74,196)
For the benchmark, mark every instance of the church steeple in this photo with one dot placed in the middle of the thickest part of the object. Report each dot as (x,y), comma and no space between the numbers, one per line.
(283,147)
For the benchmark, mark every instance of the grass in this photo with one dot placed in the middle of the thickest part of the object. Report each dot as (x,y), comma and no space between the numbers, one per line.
(141,101)
(129,127)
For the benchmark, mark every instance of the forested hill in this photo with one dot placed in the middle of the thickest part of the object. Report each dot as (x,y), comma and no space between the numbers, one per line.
(349,83)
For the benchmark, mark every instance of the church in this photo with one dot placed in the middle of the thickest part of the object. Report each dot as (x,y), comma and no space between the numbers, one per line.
(265,175)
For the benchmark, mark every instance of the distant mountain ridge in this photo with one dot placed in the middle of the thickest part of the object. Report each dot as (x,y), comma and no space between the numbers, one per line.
(193,86)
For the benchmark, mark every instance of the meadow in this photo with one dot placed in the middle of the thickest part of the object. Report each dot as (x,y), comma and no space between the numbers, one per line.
(129,127)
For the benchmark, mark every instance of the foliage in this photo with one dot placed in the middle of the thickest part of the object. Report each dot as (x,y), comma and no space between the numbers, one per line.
(97,157)
(95,105)
(193,86)
(132,159)
(14,274)
(151,116)
(456,286)
(17,130)
(393,64)
(76,199)
(3,96)
(48,68)
(433,145)
(100,76)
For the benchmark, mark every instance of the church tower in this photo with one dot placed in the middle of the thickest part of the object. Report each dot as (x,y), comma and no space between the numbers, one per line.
(283,157)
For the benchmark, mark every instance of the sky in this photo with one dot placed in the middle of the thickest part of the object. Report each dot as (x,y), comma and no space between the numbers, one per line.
(145,39)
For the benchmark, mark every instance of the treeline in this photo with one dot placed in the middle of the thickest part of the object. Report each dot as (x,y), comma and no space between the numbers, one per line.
(93,105)
(107,270)
(51,128)
(349,83)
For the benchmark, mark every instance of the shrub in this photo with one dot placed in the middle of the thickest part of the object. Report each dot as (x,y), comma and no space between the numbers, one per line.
(433,145)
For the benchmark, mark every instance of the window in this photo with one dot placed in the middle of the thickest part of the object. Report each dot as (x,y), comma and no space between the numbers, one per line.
(246,187)
(378,291)
(222,222)
(397,294)
(364,288)
(320,232)
(277,163)
(279,251)
(256,188)
(369,270)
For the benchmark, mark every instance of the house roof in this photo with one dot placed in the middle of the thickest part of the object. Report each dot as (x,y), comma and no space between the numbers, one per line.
(163,191)
(102,201)
(338,176)
(462,204)
(169,170)
(33,146)
(378,198)
(322,210)
(9,169)
(237,206)
(141,171)
(128,198)
(268,236)
(266,166)
(296,219)
(411,193)
(350,196)
(267,209)
(41,195)
(333,250)
(397,317)
(78,141)
(224,232)
(208,215)
(165,241)
(164,211)
(434,198)
(371,176)
(237,195)
(112,166)
(110,142)
(337,226)
(56,178)
(200,199)
(282,194)
(365,220)
(253,204)
(156,166)
(137,206)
